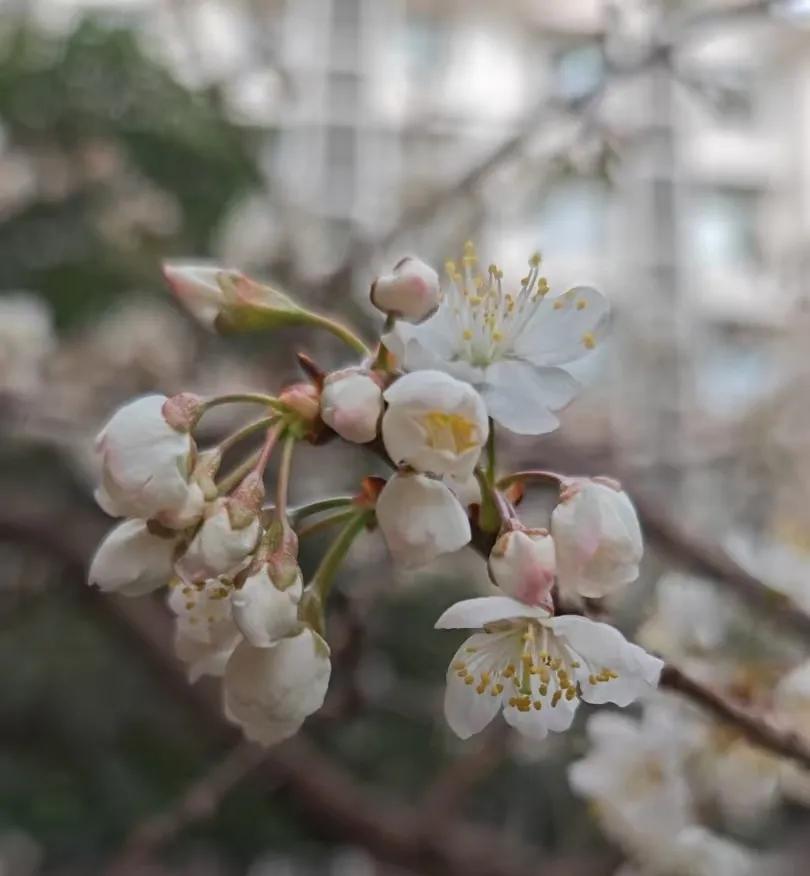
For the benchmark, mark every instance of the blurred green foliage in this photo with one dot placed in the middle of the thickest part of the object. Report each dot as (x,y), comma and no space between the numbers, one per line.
(61,100)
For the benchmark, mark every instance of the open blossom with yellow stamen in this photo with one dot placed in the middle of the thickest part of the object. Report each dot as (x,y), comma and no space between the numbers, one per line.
(434,423)
(536,667)
(508,342)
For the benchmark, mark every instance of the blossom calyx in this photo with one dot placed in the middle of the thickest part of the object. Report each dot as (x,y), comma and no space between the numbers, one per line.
(410,292)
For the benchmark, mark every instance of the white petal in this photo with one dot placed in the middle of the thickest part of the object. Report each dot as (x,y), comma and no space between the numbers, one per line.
(556,333)
(420,519)
(536,724)
(352,404)
(521,396)
(264,613)
(217,548)
(204,658)
(271,691)
(132,561)
(197,288)
(472,614)
(601,646)
(467,712)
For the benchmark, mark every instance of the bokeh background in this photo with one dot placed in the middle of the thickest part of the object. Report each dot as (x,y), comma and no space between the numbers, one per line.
(657,150)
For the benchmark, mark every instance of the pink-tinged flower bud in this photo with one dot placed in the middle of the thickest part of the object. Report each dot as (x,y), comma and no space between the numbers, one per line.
(598,538)
(225,540)
(264,611)
(352,404)
(198,289)
(420,519)
(146,465)
(522,563)
(132,560)
(269,692)
(410,292)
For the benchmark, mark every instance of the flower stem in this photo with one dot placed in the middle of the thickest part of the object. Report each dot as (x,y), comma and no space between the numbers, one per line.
(321,583)
(283,482)
(245,431)
(303,511)
(381,359)
(341,331)
(490,515)
(254,398)
(237,474)
(491,453)
(325,523)
(273,434)
(530,475)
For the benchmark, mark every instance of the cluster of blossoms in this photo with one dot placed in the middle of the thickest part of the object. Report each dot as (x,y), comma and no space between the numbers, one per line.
(663,784)
(452,365)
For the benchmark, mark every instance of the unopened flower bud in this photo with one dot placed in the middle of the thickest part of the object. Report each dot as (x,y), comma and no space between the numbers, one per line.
(222,543)
(146,463)
(132,560)
(420,519)
(410,292)
(197,287)
(522,564)
(265,610)
(270,692)
(598,538)
(352,404)
(182,411)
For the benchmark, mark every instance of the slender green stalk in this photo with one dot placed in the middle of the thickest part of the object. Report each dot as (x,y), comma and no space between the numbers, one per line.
(255,398)
(490,516)
(491,453)
(325,523)
(381,359)
(238,474)
(283,482)
(303,511)
(245,431)
(341,331)
(324,576)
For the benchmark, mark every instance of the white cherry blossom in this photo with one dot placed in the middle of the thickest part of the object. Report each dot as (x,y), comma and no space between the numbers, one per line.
(270,692)
(146,465)
(410,292)
(598,538)
(132,560)
(635,773)
(522,563)
(536,667)
(352,404)
(420,519)
(434,423)
(221,544)
(508,343)
(205,632)
(264,612)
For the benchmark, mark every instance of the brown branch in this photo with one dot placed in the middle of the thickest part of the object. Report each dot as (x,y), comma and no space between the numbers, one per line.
(755,727)
(342,808)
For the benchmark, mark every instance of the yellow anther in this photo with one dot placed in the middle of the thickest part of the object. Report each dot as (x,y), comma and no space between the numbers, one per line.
(459,664)
(512,701)
(524,281)
(582,304)
(469,247)
(556,698)
(592,679)
(535,259)
(485,678)
(497,689)
(537,705)
(481,688)
(575,664)
(468,335)
(497,336)
(469,680)
(187,591)
(588,341)
(545,675)
(570,693)
(461,673)
(475,299)
(190,605)
(494,692)
(509,671)
(559,304)
(470,650)
(556,664)
(543,690)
